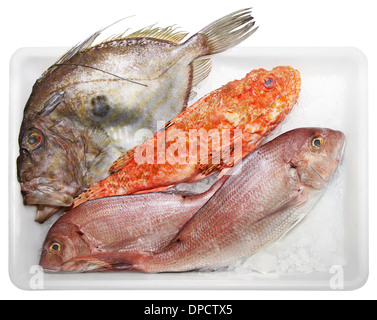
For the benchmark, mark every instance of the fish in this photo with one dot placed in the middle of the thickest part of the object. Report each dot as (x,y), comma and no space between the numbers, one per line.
(238,115)
(270,192)
(84,111)
(132,222)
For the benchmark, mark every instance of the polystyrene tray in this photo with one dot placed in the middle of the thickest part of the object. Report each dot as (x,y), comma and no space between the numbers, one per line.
(327,251)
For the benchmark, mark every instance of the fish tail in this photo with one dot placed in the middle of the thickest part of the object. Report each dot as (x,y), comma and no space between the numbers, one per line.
(228,31)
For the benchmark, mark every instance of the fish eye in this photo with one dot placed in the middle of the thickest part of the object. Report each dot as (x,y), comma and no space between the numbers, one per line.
(317,142)
(269,83)
(34,139)
(55,247)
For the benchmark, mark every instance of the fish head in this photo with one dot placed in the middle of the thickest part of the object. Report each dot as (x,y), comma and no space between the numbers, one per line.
(276,90)
(63,242)
(50,163)
(317,154)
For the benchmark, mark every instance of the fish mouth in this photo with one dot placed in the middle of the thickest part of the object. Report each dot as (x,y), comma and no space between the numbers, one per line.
(48,204)
(291,88)
(297,83)
(46,265)
(47,195)
(339,146)
(44,191)
(336,158)
(50,269)
(293,77)
(342,144)
(72,266)
(55,199)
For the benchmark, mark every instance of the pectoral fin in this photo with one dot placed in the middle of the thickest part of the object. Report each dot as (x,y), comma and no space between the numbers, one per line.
(122,161)
(297,200)
(159,189)
(104,261)
(294,202)
(296,222)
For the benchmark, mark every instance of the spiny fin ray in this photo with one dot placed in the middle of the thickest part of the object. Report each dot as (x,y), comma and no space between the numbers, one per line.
(169,34)
(201,69)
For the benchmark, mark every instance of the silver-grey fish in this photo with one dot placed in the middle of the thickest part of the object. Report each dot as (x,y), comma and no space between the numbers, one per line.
(84,111)
(273,189)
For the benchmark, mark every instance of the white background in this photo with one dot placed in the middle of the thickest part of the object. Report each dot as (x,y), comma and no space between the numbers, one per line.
(41,23)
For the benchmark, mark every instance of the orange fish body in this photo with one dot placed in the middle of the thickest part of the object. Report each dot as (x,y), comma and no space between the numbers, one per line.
(213,134)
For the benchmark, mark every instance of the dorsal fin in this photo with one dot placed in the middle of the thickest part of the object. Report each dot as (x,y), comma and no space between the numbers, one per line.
(87,43)
(78,48)
(169,33)
(70,53)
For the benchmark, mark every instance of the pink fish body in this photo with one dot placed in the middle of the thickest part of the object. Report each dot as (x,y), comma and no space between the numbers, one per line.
(275,187)
(132,223)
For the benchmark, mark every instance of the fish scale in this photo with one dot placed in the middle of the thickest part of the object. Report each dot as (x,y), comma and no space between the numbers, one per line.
(122,223)
(273,189)
(239,231)
(252,106)
(110,91)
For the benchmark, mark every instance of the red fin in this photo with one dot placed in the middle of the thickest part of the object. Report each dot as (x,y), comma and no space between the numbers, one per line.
(228,171)
(125,245)
(93,192)
(122,161)
(105,261)
(159,189)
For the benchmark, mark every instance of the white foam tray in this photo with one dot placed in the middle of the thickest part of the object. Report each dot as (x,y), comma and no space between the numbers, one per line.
(327,251)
